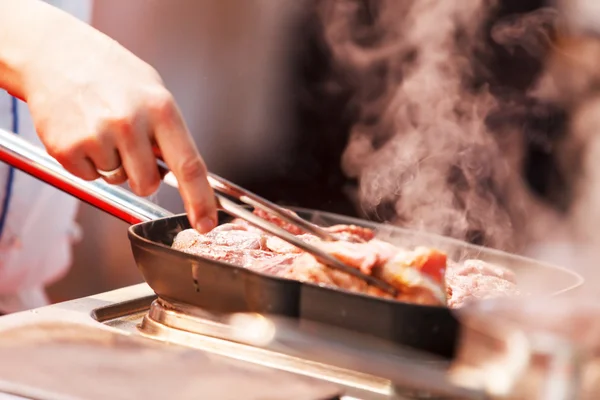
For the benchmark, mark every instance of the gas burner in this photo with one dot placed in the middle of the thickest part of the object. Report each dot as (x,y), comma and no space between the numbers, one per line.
(136,310)
(301,351)
(193,327)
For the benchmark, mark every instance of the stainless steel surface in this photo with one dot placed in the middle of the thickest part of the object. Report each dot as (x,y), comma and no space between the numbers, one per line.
(156,326)
(123,310)
(76,361)
(338,356)
(129,312)
(113,199)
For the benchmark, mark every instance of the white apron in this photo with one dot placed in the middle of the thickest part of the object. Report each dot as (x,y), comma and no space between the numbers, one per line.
(37,222)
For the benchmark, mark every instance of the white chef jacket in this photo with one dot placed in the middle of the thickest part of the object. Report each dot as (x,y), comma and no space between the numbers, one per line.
(37,221)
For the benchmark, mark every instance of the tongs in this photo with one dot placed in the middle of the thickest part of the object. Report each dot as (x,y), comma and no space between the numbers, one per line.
(223,186)
(123,204)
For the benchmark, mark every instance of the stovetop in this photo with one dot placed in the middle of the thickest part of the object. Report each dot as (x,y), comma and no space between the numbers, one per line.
(135,311)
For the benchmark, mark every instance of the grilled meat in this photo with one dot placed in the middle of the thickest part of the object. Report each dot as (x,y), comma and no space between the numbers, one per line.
(419,274)
(475,279)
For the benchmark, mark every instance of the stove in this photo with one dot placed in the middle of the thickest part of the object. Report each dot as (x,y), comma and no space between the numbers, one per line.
(136,311)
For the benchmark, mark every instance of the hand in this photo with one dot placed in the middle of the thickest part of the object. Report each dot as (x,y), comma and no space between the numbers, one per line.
(96,106)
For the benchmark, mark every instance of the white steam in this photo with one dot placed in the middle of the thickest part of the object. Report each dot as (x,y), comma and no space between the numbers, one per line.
(421,150)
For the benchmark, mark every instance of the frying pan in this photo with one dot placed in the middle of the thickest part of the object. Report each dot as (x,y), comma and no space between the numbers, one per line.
(222,287)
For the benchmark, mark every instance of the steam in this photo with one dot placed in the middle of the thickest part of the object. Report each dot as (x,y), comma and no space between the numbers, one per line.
(533,32)
(439,146)
(420,149)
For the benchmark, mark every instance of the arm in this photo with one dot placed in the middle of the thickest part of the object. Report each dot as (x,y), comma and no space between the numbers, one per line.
(96,106)
(28,29)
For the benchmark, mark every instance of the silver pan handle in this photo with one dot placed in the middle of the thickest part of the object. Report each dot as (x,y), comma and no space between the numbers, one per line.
(112,199)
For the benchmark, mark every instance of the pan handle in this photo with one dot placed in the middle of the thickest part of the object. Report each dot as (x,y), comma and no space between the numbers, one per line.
(112,199)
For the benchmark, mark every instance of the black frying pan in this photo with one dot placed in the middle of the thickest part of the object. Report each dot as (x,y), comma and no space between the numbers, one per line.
(222,287)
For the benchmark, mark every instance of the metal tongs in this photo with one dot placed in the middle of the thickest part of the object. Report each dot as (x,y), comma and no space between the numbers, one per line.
(130,208)
(221,185)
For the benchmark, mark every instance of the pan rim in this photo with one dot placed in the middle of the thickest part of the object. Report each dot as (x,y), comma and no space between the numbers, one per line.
(578,279)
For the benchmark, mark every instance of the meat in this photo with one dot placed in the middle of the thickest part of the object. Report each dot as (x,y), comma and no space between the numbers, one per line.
(281,246)
(277,221)
(476,279)
(224,236)
(230,243)
(478,267)
(422,275)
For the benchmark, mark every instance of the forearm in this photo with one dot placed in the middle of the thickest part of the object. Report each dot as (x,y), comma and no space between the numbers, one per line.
(30,32)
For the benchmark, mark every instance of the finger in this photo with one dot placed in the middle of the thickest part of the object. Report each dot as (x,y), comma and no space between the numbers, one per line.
(138,160)
(84,169)
(105,157)
(76,163)
(181,155)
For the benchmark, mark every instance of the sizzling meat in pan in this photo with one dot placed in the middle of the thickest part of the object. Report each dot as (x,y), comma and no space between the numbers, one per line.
(422,275)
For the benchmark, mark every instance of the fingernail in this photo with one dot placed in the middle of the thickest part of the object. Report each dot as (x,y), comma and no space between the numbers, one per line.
(205,225)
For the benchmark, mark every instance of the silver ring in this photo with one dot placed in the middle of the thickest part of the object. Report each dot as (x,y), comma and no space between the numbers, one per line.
(117,175)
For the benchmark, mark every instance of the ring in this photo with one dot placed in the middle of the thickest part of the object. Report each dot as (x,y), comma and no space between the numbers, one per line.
(117,175)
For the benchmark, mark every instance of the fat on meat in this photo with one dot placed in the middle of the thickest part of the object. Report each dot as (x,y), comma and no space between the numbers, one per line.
(478,280)
(229,243)
(226,235)
(351,233)
(479,267)
(278,245)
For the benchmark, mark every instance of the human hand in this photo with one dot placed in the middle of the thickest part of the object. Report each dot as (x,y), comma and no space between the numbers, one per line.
(96,106)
